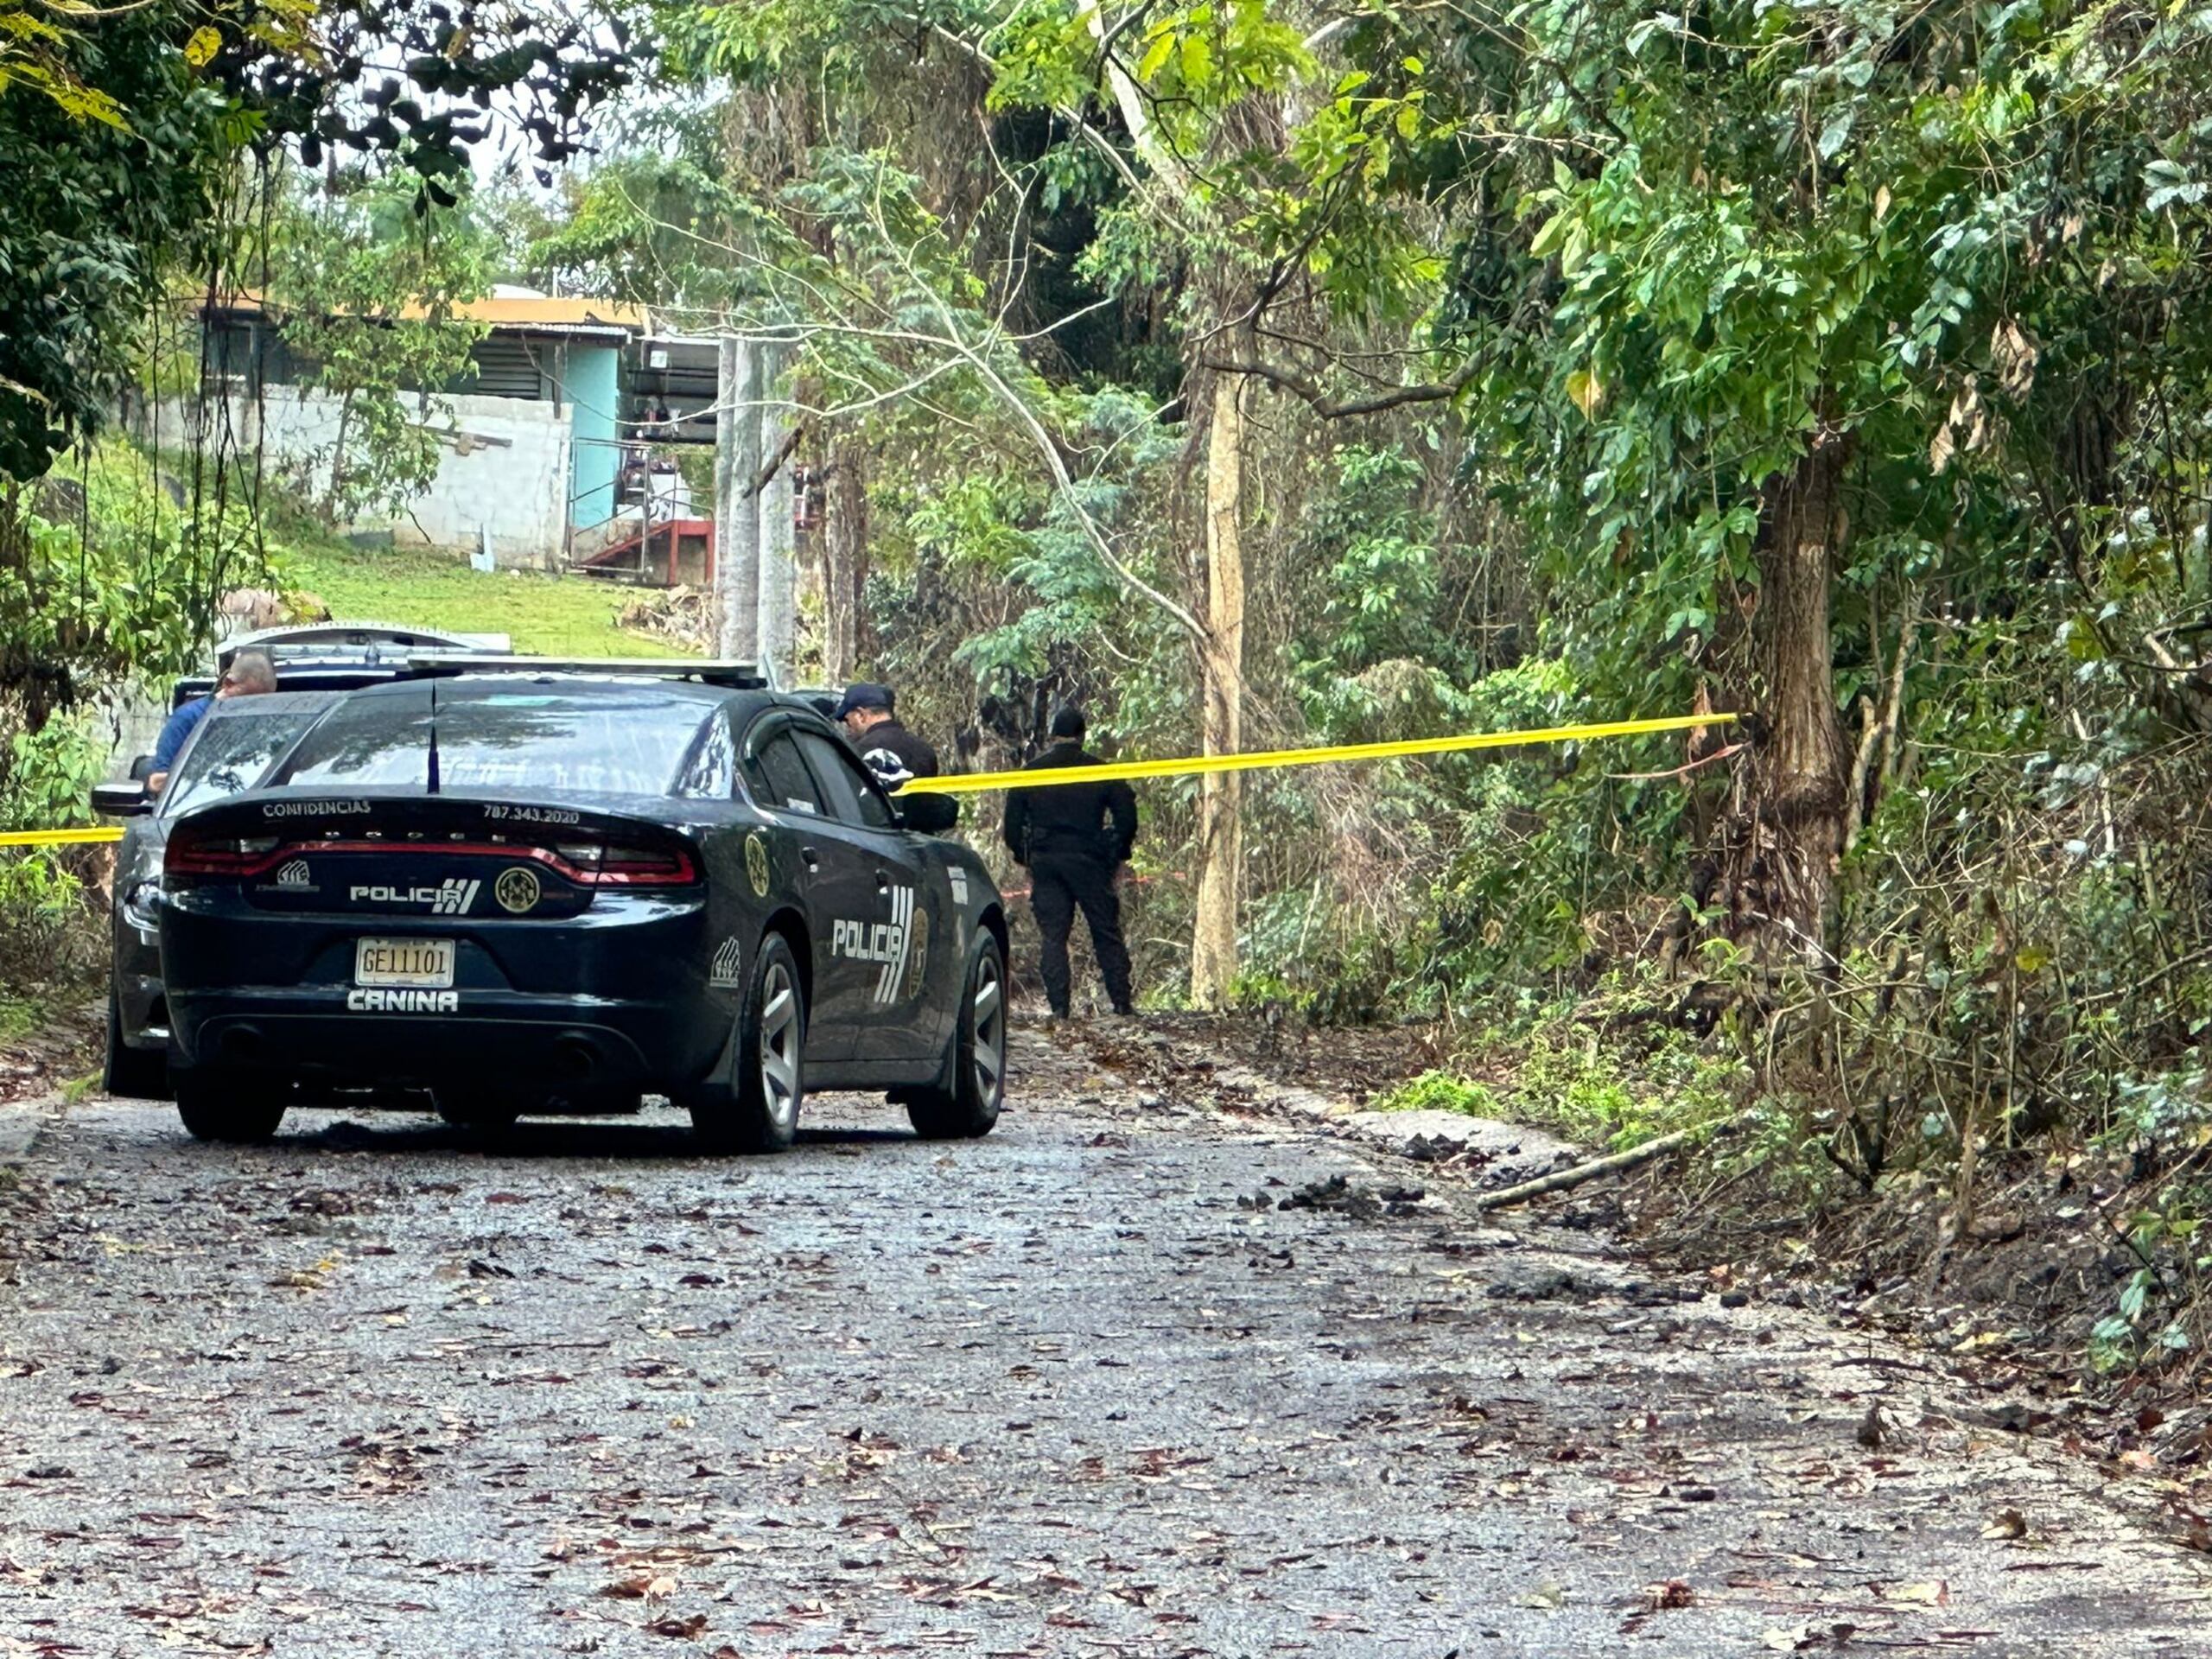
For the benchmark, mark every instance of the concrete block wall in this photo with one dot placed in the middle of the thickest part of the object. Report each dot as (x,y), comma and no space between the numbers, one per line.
(504,472)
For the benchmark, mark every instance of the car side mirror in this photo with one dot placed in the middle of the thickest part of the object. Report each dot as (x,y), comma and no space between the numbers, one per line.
(927,812)
(123,800)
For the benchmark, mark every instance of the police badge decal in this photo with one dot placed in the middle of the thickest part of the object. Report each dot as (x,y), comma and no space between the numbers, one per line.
(756,864)
(516,890)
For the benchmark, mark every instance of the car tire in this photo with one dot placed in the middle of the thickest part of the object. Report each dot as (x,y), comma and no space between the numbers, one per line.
(970,1107)
(130,1073)
(758,1112)
(229,1107)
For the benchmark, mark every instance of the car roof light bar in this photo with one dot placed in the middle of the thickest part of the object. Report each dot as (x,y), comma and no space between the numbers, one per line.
(708,672)
(356,639)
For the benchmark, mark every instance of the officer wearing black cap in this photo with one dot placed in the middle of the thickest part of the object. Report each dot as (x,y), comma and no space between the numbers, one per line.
(892,753)
(1074,837)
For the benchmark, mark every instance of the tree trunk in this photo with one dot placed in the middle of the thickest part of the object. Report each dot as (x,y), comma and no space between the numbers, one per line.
(338,459)
(779,579)
(1786,864)
(1221,836)
(844,558)
(737,513)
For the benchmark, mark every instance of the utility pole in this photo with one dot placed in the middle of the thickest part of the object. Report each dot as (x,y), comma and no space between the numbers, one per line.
(737,525)
(778,561)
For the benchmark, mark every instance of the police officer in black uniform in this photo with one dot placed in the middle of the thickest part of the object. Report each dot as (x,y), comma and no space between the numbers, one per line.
(1074,837)
(868,713)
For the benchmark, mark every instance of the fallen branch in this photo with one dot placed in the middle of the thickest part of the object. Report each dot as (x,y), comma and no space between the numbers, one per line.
(1614,1164)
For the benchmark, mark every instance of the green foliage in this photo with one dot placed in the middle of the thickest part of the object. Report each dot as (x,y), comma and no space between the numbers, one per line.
(45,923)
(1073,596)
(50,775)
(656,224)
(1563,1070)
(2160,1300)
(123,131)
(1619,1090)
(114,149)
(20,1016)
(49,933)
(1538,312)
(1438,1091)
(1377,545)
(364,285)
(105,580)
(34,53)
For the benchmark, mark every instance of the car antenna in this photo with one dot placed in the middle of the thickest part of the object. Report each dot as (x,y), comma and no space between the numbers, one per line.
(434,738)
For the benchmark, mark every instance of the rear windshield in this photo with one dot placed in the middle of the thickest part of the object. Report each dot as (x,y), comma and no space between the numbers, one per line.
(234,747)
(611,746)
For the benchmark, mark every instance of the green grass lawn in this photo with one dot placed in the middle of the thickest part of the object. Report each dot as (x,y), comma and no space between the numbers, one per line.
(546,615)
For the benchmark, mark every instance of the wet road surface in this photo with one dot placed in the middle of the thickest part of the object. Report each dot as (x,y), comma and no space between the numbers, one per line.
(384,1388)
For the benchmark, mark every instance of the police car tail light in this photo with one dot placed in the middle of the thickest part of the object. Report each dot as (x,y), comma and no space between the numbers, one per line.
(221,855)
(648,867)
(627,864)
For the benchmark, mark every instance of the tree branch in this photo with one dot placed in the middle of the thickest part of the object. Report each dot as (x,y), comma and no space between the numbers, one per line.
(1330,408)
(1098,141)
(775,462)
(1616,1164)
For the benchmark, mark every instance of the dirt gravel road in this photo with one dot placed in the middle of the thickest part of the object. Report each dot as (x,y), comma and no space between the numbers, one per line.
(381,1389)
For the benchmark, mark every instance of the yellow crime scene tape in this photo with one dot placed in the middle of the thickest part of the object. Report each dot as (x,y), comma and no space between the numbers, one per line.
(58,837)
(975,783)
(1183,766)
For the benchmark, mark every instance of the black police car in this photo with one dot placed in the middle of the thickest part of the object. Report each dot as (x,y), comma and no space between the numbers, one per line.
(229,751)
(555,887)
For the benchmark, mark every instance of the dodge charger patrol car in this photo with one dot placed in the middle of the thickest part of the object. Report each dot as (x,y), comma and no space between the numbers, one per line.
(228,752)
(524,886)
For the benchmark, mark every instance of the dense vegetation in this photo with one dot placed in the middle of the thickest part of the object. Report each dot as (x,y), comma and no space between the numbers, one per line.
(1266,373)
(1838,365)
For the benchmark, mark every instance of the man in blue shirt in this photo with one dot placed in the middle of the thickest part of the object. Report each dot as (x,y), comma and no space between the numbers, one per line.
(251,673)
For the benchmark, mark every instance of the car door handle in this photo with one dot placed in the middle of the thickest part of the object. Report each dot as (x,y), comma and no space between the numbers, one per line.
(813,858)
(883,881)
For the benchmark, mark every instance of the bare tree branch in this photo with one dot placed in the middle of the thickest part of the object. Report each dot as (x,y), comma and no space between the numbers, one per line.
(774,464)
(975,356)
(1019,407)
(1330,409)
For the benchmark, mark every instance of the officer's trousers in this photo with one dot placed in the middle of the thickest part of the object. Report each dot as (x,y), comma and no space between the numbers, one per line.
(1057,887)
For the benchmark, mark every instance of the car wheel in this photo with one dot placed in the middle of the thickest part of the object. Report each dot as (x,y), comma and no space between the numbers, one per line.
(970,1107)
(132,1073)
(229,1107)
(759,1113)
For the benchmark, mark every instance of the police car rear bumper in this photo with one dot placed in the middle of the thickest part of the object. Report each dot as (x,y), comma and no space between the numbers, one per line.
(349,1037)
(608,998)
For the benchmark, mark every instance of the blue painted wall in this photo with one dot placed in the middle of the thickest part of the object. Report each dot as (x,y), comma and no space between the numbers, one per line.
(593,393)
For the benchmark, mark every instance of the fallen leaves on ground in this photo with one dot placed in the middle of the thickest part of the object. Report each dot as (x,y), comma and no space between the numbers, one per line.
(313,1278)
(2006,1524)
(642,1586)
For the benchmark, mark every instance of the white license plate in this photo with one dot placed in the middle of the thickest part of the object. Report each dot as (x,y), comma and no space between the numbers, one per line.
(423,964)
